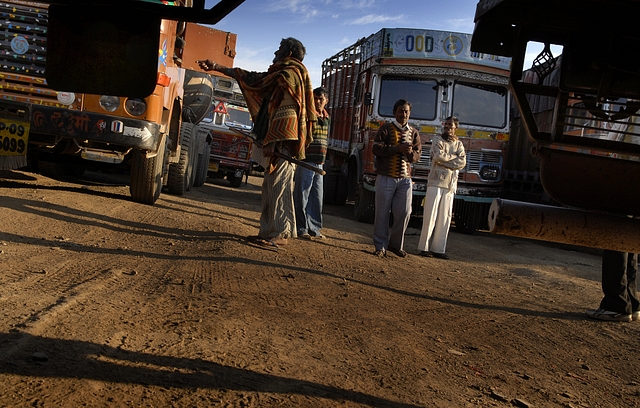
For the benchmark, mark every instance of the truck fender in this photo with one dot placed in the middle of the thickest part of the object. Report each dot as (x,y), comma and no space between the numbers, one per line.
(354,157)
(352,170)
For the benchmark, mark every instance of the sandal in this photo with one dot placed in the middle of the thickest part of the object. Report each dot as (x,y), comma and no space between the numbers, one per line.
(279,241)
(267,243)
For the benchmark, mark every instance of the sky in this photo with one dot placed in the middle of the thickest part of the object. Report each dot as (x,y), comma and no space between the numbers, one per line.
(327,26)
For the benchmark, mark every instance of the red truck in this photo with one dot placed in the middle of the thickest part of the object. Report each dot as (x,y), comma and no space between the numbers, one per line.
(230,155)
(438,74)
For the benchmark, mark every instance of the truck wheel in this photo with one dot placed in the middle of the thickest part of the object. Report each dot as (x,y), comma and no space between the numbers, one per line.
(234,180)
(146,175)
(180,172)
(202,168)
(57,170)
(365,207)
(48,169)
(329,188)
(342,190)
(468,221)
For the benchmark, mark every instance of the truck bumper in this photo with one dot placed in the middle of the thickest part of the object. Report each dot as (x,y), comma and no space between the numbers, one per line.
(217,164)
(61,122)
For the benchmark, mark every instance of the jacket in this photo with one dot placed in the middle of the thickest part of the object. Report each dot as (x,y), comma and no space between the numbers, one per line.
(447,159)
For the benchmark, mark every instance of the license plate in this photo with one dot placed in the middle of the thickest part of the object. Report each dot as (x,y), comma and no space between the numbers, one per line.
(13,137)
(213,167)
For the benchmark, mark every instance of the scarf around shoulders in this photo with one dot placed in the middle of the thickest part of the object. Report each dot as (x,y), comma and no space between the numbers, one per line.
(273,120)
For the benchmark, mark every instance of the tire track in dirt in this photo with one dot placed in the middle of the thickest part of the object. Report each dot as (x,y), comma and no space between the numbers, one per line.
(70,292)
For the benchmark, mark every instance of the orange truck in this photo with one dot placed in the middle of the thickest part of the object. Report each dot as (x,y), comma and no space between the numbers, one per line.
(154,137)
(437,73)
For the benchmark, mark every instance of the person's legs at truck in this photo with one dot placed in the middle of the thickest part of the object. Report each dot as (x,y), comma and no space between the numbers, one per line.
(308,201)
(314,207)
(303,183)
(385,191)
(436,220)
(277,219)
(619,274)
(443,222)
(401,210)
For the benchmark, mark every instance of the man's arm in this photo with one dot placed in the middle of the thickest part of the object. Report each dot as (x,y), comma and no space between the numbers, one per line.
(416,148)
(458,161)
(208,65)
(442,157)
(381,146)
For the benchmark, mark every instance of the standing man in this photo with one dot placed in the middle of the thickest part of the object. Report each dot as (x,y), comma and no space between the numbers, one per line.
(396,146)
(308,192)
(282,108)
(447,159)
(619,274)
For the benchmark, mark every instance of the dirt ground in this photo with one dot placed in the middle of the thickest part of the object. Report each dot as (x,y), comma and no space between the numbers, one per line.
(106,302)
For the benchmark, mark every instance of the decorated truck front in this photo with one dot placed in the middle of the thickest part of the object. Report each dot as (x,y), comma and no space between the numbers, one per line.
(436,72)
(230,151)
(149,134)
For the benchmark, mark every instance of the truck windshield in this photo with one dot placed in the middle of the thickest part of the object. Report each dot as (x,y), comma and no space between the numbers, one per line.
(421,93)
(480,104)
(238,117)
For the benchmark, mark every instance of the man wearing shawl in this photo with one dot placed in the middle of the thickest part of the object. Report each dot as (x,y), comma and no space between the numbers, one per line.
(282,108)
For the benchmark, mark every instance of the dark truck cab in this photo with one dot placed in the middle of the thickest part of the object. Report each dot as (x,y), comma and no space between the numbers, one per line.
(589,151)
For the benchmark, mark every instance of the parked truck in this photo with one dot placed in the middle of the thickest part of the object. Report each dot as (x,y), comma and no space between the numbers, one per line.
(580,113)
(154,137)
(436,72)
(230,151)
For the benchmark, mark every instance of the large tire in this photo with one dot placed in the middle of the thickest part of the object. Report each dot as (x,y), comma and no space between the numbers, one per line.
(202,168)
(365,208)
(180,172)
(330,187)
(198,95)
(468,221)
(342,190)
(234,180)
(60,169)
(146,175)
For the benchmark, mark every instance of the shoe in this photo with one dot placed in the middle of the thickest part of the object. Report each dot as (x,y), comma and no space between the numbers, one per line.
(305,236)
(606,315)
(399,252)
(440,256)
(635,315)
(319,236)
(380,253)
(426,254)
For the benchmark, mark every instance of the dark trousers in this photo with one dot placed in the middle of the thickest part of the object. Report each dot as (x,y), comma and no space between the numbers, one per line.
(619,272)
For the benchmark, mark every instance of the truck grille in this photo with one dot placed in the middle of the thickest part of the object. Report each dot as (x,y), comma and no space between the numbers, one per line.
(475,159)
(230,147)
(23,47)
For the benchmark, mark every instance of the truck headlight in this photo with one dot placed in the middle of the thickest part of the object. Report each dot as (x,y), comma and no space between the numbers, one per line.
(109,103)
(135,107)
(490,173)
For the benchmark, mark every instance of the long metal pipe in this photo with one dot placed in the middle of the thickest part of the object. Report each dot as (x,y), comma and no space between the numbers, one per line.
(563,225)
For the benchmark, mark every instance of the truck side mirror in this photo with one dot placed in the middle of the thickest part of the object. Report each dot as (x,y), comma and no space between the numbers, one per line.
(368,101)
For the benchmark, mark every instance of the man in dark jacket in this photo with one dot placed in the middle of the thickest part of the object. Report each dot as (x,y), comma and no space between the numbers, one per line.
(396,146)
